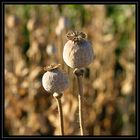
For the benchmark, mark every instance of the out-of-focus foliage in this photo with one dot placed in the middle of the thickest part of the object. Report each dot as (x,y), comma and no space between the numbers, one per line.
(35,36)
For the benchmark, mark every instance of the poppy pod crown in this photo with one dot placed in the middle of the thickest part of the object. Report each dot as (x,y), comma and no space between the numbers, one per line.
(54,80)
(77,52)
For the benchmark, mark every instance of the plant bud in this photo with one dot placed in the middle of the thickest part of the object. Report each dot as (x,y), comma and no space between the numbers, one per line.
(55,80)
(77,52)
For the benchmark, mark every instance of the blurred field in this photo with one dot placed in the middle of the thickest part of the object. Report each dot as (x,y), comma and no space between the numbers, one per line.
(35,36)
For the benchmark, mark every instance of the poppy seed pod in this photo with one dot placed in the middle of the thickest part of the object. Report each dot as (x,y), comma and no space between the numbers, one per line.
(32,24)
(51,49)
(12,21)
(55,80)
(77,52)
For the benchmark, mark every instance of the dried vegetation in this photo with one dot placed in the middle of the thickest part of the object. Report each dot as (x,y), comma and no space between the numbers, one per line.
(34,38)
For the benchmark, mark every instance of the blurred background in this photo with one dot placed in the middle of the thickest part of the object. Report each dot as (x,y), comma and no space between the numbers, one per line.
(34,38)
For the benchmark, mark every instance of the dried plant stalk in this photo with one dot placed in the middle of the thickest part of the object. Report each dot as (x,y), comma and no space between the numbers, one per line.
(79,75)
(60,111)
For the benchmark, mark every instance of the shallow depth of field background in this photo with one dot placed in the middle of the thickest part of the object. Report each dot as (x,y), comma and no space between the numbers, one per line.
(35,36)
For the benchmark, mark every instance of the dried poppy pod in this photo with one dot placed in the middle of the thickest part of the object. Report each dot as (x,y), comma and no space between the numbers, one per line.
(32,24)
(12,21)
(77,52)
(54,80)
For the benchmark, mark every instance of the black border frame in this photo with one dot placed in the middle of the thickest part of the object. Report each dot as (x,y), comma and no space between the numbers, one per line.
(4,2)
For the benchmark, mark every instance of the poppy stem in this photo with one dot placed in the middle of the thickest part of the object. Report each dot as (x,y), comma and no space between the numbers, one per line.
(60,111)
(79,75)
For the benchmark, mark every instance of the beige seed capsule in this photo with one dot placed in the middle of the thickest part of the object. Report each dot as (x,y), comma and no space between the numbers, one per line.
(55,80)
(32,24)
(77,52)
(12,21)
